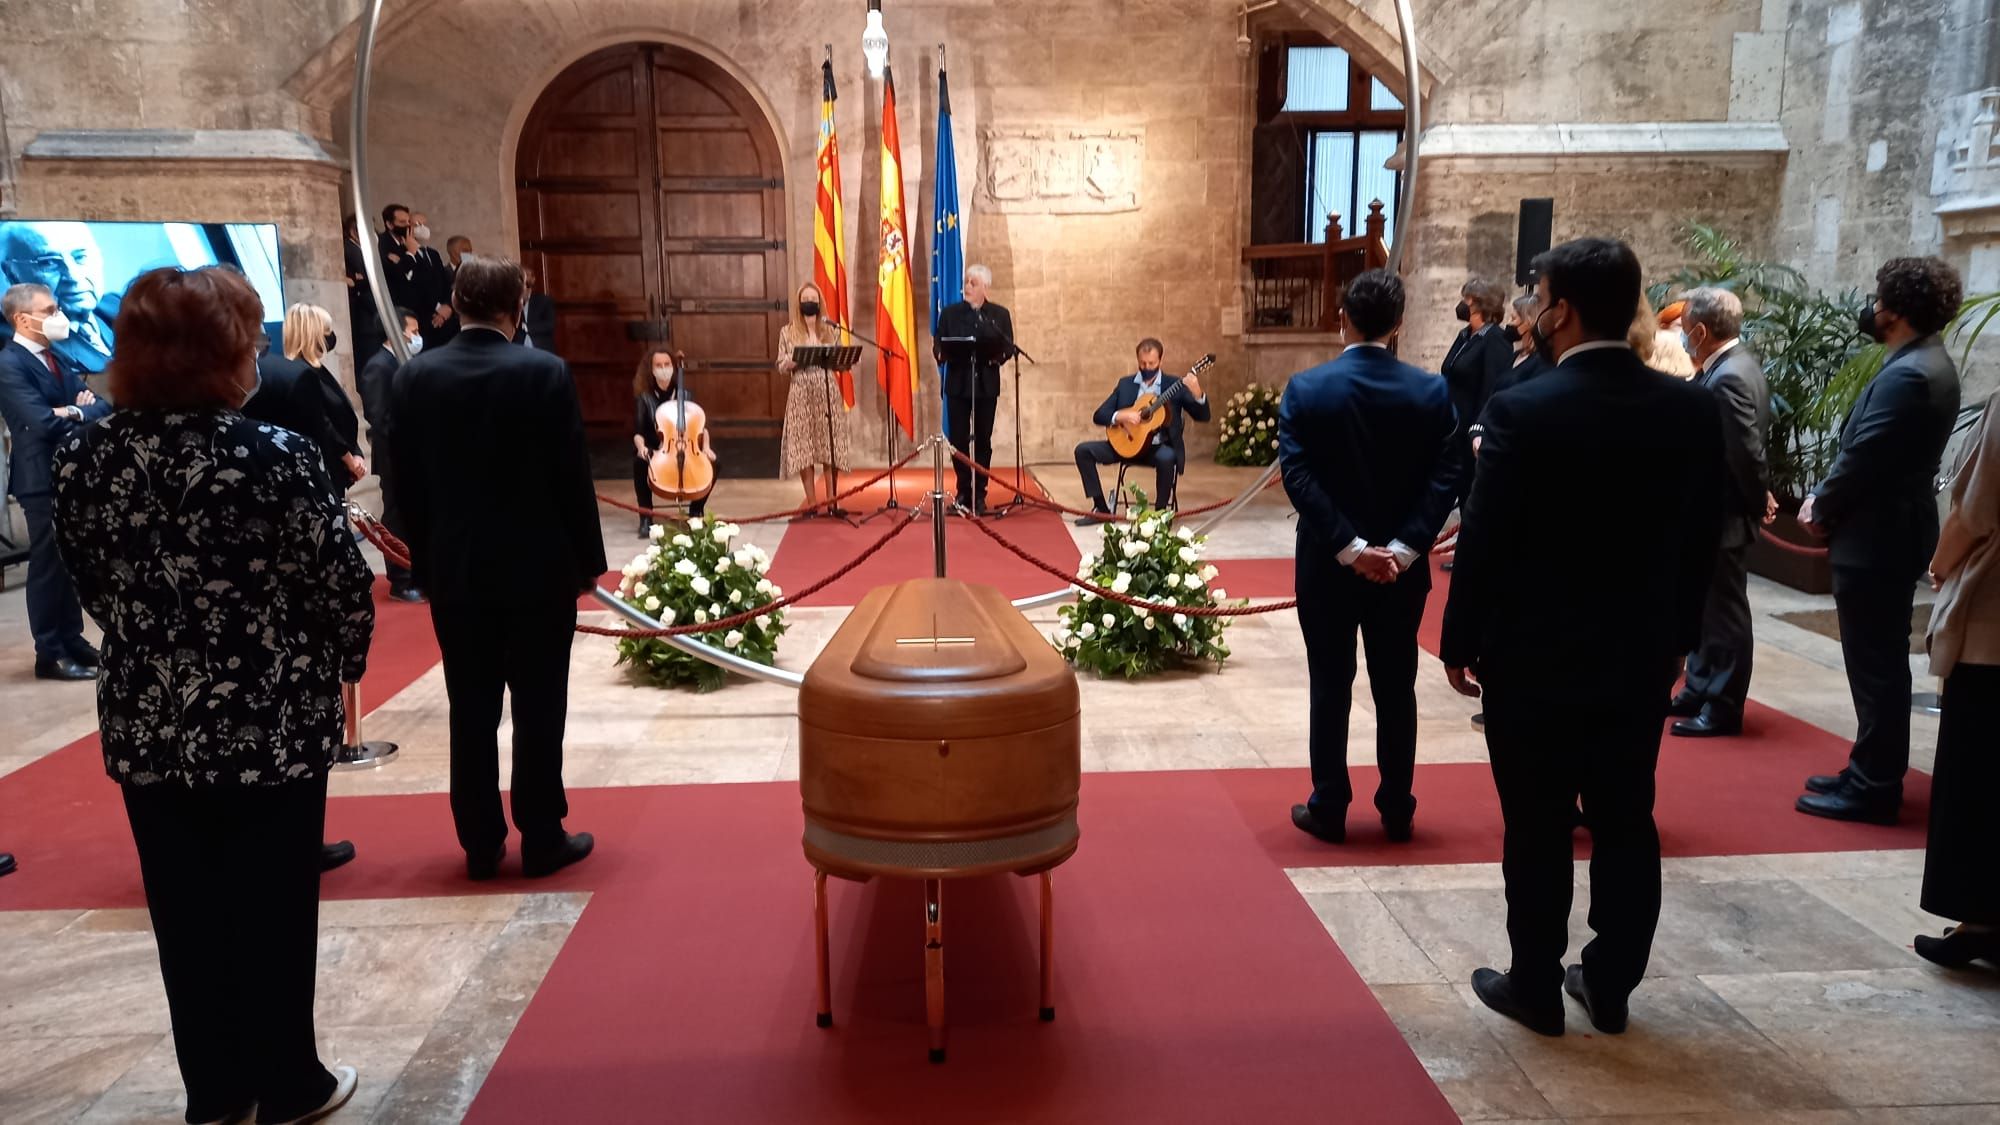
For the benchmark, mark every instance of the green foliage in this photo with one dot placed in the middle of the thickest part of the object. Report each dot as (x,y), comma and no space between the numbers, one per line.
(1250,428)
(693,575)
(1155,561)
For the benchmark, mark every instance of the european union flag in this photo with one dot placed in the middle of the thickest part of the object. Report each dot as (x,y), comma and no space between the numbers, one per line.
(947,248)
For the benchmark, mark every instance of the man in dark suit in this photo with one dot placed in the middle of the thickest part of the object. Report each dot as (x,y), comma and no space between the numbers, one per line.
(1365,443)
(1183,399)
(361,318)
(376,383)
(403,260)
(972,378)
(540,322)
(1878,510)
(435,276)
(1576,656)
(1718,670)
(44,402)
(481,416)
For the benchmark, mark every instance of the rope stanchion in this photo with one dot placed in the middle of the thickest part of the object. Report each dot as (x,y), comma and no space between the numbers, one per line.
(1801,549)
(723,624)
(1126,599)
(1044,502)
(772,517)
(376,532)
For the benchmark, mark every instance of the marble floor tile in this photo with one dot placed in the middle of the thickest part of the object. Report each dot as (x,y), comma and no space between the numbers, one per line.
(1760,927)
(110,986)
(1372,940)
(46,1081)
(1326,880)
(1462,930)
(1686,1052)
(407,974)
(1931,1115)
(1888,907)
(1742,1117)
(1896,1037)
(1477,1076)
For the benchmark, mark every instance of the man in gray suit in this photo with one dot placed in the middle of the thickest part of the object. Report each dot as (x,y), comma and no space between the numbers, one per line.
(1878,510)
(1718,670)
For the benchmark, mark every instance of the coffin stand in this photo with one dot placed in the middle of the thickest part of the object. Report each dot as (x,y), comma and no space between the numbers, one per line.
(939,738)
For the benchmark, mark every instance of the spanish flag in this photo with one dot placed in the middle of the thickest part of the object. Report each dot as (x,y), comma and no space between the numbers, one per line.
(895,311)
(829,272)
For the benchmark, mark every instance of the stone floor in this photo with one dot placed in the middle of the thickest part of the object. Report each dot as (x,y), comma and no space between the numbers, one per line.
(1783,988)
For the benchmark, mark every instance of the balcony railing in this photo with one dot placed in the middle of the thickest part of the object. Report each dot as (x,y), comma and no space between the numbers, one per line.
(1297,287)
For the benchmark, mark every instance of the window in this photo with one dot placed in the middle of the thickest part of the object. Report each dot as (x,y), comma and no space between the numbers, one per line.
(1326,127)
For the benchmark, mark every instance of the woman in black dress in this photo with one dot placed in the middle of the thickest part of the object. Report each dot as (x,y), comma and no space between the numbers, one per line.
(654,385)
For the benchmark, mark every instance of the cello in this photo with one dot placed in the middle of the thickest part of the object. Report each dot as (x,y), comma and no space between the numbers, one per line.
(680,470)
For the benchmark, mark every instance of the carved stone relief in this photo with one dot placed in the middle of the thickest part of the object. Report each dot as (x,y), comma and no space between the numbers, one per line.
(1060,170)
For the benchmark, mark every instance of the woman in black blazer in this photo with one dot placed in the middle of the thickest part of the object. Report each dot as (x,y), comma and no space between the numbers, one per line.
(234,603)
(1477,361)
(297,392)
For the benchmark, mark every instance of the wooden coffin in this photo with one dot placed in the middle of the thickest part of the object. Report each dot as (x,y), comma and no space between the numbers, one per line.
(939,736)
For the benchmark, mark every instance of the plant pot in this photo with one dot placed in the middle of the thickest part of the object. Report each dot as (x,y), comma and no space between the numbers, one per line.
(1811,574)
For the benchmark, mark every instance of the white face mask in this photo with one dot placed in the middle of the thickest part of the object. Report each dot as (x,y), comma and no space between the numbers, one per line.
(256,384)
(56,327)
(423,233)
(416,344)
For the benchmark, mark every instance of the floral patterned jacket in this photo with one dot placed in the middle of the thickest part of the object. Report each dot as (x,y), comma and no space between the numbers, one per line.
(233,599)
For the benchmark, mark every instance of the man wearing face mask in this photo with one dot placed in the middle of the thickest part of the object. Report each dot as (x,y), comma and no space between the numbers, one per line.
(1576,696)
(377,386)
(1878,510)
(402,258)
(1166,451)
(1718,670)
(44,403)
(1478,360)
(435,275)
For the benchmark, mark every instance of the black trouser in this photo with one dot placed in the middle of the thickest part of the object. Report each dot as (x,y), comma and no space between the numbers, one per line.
(520,647)
(1547,752)
(971,424)
(1960,877)
(1334,602)
(392,512)
(1874,608)
(1718,670)
(232,882)
(642,488)
(1165,465)
(54,617)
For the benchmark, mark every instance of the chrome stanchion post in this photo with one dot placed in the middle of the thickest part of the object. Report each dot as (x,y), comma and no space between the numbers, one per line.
(937,501)
(355,754)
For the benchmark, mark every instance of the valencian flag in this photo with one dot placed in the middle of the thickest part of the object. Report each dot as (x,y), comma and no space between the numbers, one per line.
(895,310)
(947,241)
(829,272)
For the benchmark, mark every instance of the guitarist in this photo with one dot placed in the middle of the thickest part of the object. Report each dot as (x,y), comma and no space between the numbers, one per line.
(1164,452)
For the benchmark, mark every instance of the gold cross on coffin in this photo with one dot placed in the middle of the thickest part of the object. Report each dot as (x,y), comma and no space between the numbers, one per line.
(934,640)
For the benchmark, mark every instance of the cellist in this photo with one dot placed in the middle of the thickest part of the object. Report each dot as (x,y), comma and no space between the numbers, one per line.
(654,385)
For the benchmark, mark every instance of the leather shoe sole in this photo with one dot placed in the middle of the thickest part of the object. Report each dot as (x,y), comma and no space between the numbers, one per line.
(1606,1017)
(1306,822)
(1495,989)
(1838,806)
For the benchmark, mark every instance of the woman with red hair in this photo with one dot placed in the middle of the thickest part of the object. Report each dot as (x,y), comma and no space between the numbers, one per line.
(234,603)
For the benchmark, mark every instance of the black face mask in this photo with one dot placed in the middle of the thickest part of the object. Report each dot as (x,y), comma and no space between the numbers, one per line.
(1867,323)
(1462,311)
(331,340)
(1149,373)
(1512,332)
(808,308)
(1544,347)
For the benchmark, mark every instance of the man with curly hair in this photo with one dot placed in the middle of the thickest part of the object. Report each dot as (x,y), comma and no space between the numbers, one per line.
(1878,512)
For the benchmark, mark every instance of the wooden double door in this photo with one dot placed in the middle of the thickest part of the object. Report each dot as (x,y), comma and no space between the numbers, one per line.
(651,190)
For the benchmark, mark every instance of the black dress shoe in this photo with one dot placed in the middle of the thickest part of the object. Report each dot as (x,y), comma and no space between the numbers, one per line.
(1496,990)
(1853,802)
(1827,782)
(86,654)
(1706,725)
(406,593)
(480,870)
(645,527)
(63,668)
(1959,948)
(1398,831)
(1097,515)
(1606,1015)
(7,864)
(1686,705)
(1304,820)
(540,862)
(337,854)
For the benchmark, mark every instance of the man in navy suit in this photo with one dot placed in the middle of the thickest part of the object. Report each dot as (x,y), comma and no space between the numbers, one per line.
(1577,656)
(1366,445)
(44,402)
(1164,451)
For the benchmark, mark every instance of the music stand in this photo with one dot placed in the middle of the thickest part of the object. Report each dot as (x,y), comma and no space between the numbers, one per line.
(831,359)
(1019,499)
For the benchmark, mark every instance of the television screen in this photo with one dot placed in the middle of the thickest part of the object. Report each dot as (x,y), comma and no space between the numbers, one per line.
(88,265)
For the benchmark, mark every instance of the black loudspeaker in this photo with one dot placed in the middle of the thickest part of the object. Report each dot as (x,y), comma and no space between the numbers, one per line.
(1538,220)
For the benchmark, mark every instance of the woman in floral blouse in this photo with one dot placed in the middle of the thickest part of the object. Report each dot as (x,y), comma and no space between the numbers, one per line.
(234,603)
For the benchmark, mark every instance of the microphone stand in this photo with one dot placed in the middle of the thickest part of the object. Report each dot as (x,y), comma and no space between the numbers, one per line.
(1019,499)
(888,426)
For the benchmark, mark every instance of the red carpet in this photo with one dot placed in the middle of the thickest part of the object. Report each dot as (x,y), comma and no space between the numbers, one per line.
(811,548)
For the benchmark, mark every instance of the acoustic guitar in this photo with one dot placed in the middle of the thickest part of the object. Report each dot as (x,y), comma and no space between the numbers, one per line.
(678,470)
(1130,441)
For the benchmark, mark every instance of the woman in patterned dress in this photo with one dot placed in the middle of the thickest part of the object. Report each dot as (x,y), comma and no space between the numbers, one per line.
(234,603)
(814,395)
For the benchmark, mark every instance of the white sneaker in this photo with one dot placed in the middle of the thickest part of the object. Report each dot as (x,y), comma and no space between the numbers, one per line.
(346,1078)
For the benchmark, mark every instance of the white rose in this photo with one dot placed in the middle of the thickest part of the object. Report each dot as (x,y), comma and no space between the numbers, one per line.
(700,585)
(722,565)
(1191,581)
(1121,583)
(1074,642)
(735,597)
(763,585)
(1220,593)
(734,638)
(1146,529)
(1087,561)
(1149,624)
(685,566)
(1088,631)
(641,590)
(735,530)
(652,604)
(657,531)
(1142,612)
(700,616)
(682,542)
(1208,573)
(745,559)
(652,553)
(695,524)
(625,588)
(1180,620)
(1134,548)
(1188,556)
(1061,637)
(1184,534)
(777,591)
(1109,621)
(722,533)
(715,609)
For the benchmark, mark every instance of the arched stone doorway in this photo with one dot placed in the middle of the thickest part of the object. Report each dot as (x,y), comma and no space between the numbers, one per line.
(649,183)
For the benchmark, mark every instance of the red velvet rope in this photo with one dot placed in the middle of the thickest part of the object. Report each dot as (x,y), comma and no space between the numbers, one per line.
(392,548)
(1051,505)
(1126,599)
(1792,548)
(726,623)
(770,517)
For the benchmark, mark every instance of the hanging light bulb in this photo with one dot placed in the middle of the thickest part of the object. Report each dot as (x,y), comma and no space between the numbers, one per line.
(875,41)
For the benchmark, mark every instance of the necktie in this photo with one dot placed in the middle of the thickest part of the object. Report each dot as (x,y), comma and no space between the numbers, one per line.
(49,358)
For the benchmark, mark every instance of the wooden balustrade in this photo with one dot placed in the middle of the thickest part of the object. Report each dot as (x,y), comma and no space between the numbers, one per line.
(1296,287)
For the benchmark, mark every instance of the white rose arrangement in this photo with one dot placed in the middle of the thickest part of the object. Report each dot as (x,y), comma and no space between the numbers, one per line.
(698,576)
(1153,560)
(1249,434)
